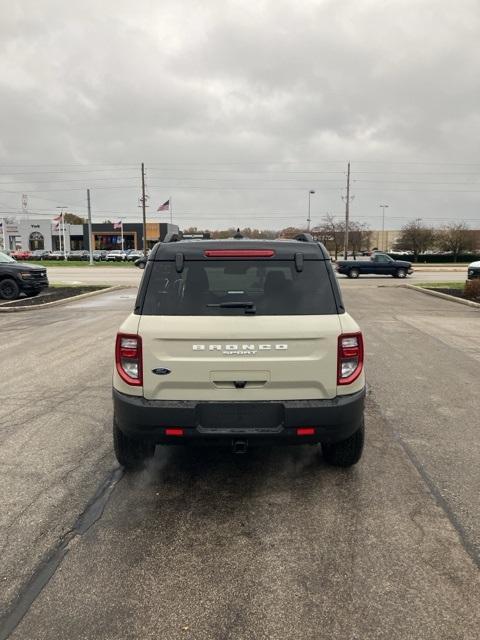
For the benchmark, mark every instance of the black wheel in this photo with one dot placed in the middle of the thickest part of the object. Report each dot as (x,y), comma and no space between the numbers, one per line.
(131,453)
(401,273)
(353,273)
(9,289)
(346,452)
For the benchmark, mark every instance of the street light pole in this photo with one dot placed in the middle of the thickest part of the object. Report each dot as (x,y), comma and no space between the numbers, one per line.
(144,213)
(309,218)
(90,248)
(383,207)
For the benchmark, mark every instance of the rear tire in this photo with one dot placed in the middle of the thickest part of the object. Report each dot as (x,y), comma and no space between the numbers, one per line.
(346,452)
(353,273)
(131,453)
(9,289)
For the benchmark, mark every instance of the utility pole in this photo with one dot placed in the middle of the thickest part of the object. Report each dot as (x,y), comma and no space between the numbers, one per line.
(347,214)
(90,248)
(144,212)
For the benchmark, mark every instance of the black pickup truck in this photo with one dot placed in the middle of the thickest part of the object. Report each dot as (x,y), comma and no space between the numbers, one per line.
(17,278)
(379,264)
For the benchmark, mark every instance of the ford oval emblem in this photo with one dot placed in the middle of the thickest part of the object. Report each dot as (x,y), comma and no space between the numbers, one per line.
(161,371)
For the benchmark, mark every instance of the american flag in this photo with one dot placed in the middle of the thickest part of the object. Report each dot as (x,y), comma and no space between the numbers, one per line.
(56,221)
(117,224)
(165,206)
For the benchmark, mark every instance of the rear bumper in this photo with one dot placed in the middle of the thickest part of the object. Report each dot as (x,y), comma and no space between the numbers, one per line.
(259,422)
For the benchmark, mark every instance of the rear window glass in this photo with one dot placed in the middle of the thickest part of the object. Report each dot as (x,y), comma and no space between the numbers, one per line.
(238,287)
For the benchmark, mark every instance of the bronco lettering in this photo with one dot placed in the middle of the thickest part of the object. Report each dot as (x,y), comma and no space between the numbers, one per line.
(231,348)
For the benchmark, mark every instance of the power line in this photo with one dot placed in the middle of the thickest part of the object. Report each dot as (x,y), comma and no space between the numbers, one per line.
(67,180)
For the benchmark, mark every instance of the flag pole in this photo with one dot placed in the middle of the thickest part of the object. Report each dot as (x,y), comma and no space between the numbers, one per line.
(121,229)
(171,209)
(64,238)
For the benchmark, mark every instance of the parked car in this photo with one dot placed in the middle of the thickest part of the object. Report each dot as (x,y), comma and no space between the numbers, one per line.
(99,255)
(58,255)
(17,278)
(379,264)
(78,255)
(40,254)
(240,342)
(21,254)
(134,255)
(474,270)
(117,255)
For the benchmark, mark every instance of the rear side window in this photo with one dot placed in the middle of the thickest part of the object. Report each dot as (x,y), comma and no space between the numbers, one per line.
(238,287)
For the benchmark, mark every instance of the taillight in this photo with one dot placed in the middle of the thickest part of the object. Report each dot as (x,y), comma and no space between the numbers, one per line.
(174,432)
(305,431)
(128,358)
(350,357)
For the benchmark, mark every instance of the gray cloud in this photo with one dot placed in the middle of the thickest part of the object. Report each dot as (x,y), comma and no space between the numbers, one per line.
(215,96)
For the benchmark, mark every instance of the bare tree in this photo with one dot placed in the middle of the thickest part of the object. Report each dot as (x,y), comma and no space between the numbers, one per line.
(456,238)
(416,237)
(331,233)
(247,232)
(359,237)
(72,218)
(255,234)
(224,233)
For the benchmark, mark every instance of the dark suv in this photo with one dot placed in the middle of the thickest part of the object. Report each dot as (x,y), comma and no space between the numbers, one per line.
(17,278)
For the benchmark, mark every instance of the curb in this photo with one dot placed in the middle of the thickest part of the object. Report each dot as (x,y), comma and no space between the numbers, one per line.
(444,296)
(440,269)
(57,303)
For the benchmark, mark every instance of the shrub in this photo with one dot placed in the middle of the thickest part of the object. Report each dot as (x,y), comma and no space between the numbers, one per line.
(435,257)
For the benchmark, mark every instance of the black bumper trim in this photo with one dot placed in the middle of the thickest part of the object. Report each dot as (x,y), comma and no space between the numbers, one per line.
(333,420)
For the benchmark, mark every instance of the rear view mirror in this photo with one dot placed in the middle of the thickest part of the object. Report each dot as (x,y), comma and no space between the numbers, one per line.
(141,263)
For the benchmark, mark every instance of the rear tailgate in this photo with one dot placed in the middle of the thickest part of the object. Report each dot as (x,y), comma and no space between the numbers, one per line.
(240,357)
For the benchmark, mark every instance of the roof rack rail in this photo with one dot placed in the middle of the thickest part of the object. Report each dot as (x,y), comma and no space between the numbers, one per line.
(304,237)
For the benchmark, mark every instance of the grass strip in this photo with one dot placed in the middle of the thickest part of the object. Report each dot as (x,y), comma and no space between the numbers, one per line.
(441,285)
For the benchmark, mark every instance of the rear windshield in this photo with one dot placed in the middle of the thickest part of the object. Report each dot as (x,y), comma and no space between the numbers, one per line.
(238,287)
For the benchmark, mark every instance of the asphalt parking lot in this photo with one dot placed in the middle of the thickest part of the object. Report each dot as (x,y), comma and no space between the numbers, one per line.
(269,545)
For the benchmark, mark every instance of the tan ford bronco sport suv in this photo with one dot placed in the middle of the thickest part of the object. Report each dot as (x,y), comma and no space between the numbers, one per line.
(243,342)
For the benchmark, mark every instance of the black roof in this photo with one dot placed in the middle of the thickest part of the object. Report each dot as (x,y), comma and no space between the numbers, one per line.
(194,249)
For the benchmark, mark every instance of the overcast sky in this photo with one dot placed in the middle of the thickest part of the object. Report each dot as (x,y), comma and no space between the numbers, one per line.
(239,108)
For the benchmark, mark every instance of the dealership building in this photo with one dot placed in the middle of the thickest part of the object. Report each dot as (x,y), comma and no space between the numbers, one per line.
(30,234)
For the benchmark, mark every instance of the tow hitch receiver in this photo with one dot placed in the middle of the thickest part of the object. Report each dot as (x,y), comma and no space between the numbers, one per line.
(239,446)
